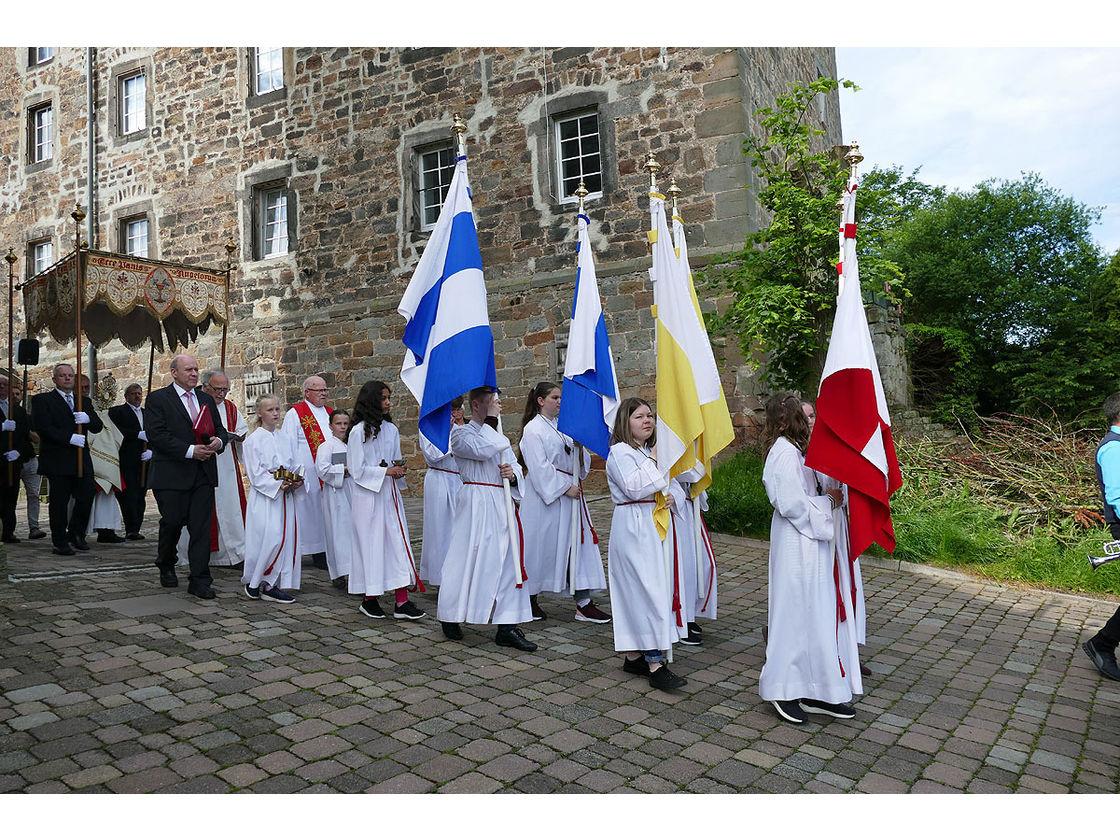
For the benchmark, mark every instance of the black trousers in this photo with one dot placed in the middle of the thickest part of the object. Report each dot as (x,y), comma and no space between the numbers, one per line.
(1109,635)
(63,489)
(133,502)
(191,509)
(9,495)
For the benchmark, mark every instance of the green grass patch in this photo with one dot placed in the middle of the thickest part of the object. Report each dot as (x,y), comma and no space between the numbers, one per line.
(736,498)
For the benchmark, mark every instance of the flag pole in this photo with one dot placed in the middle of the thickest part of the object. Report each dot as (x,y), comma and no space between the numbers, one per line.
(573,538)
(79,298)
(230,248)
(11,258)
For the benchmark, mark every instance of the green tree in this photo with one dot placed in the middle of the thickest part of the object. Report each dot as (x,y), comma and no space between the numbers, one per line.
(1011,267)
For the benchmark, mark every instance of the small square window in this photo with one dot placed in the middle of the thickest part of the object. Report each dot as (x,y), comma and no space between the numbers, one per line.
(134,236)
(40,133)
(41,256)
(268,69)
(40,55)
(437,166)
(133,116)
(578,154)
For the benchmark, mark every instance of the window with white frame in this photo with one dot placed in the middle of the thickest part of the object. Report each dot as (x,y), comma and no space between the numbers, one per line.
(133,115)
(42,256)
(578,154)
(41,55)
(134,236)
(436,166)
(268,69)
(41,133)
(273,221)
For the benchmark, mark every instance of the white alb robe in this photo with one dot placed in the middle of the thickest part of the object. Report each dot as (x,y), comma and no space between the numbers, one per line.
(271,515)
(849,573)
(478,579)
(105,452)
(546,513)
(312,539)
(641,589)
(441,487)
(810,653)
(697,570)
(381,557)
(337,498)
(227,499)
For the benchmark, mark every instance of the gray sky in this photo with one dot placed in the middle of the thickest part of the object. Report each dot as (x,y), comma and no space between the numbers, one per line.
(968,114)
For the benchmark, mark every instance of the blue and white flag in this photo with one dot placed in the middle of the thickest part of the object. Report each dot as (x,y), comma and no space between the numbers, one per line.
(590,393)
(449,347)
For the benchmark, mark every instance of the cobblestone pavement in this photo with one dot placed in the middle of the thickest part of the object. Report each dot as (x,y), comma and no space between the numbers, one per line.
(110,683)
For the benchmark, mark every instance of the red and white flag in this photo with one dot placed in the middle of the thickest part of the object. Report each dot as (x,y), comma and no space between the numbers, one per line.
(852,438)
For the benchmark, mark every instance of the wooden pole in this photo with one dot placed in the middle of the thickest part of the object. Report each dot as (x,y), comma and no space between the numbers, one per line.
(151,364)
(11,258)
(230,248)
(79,298)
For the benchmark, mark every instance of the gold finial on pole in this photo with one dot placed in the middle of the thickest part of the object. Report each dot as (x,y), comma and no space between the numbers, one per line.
(581,193)
(230,248)
(854,157)
(79,214)
(11,257)
(674,191)
(652,167)
(459,130)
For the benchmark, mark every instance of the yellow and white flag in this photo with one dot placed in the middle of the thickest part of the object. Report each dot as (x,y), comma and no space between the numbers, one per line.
(693,422)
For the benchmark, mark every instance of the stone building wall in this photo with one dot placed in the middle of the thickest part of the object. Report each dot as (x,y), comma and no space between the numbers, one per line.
(342,137)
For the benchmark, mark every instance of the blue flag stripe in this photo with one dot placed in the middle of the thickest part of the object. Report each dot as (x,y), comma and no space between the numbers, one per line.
(465,357)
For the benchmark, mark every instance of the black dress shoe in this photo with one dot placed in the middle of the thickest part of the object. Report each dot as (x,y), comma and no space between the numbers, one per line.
(513,637)
(37,533)
(452,630)
(203,592)
(79,543)
(107,536)
(10,538)
(134,536)
(65,551)
(168,578)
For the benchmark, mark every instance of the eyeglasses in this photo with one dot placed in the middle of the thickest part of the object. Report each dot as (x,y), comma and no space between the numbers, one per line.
(316,390)
(223,390)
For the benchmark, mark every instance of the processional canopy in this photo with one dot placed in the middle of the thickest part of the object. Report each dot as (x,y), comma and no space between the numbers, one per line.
(133,299)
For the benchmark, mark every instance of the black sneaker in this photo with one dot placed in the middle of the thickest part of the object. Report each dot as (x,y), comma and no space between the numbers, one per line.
(665,679)
(408,610)
(694,628)
(1104,659)
(789,710)
(452,630)
(253,592)
(637,666)
(372,608)
(819,707)
(276,595)
(693,638)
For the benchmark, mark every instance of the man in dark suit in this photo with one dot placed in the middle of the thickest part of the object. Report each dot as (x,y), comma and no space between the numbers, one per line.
(55,418)
(129,418)
(185,432)
(17,451)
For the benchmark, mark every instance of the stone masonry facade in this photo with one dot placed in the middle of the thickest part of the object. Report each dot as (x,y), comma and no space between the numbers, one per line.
(341,137)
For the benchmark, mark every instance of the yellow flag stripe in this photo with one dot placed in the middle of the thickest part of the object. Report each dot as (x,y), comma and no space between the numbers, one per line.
(676,396)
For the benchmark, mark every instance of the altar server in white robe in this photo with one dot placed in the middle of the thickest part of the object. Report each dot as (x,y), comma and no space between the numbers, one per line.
(337,497)
(641,589)
(441,487)
(549,495)
(812,662)
(272,560)
(307,423)
(105,515)
(480,576)
(380,554)
(696,564)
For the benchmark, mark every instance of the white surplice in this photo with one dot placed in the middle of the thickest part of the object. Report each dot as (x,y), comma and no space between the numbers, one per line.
(105,452)
(271,515)
(441,488)
(697,570)
(337,499)
(810,652)
(381,557)
(546,513)
(641,589)
(478,580)
(227,499)
(312,539)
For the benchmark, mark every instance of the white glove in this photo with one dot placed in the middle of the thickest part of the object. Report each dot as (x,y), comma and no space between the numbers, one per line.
(8,426)
(78,440)
(81,417)
(142,435)
(11,455)
(146,455)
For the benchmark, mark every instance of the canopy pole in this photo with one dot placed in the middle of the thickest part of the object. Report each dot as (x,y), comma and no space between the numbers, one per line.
(79,296)
(11,258)
(230,248)
(151,364)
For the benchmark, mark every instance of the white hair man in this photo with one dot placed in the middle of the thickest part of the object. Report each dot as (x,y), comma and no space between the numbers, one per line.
(308,425)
